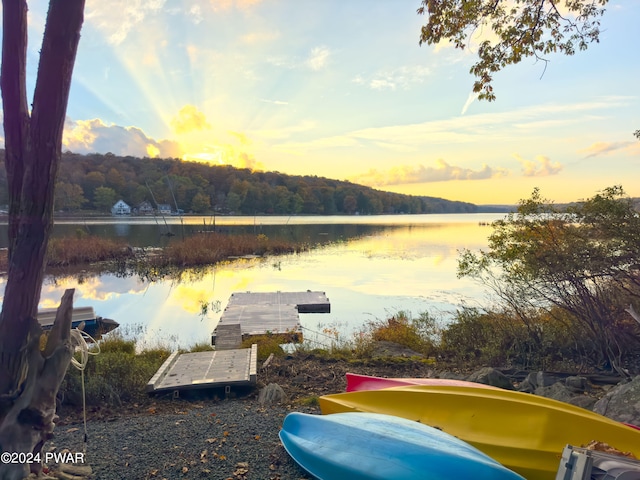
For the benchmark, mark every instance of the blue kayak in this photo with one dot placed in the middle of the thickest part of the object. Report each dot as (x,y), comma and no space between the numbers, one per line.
(367,446)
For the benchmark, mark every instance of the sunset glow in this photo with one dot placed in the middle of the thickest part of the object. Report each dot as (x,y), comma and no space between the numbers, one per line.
(342,90)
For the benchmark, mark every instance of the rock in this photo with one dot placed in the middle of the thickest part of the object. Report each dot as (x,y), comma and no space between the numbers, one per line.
(272,393)
(491,376)
(529,384)
(383,349)
(621,403)
(557,391)
(583,401)
(544,379)
(576,384)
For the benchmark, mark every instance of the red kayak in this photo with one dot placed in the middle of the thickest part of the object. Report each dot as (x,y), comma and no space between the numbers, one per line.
(356,382)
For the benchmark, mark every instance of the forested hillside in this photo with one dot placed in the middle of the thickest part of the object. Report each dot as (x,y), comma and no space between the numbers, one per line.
(95,182)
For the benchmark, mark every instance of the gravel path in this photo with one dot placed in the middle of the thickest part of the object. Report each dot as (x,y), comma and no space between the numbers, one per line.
(219,440)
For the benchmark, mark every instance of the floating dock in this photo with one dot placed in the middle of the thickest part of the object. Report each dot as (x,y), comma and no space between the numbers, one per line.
(274,313)
(247,314)
(219,368)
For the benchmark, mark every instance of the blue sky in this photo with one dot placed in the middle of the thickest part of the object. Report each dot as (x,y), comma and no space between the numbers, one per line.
(342,89)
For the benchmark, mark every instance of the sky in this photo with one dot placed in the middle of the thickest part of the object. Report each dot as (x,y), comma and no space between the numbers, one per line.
(342,89)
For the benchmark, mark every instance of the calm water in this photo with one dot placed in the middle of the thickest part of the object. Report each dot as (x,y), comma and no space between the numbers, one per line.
(372,268)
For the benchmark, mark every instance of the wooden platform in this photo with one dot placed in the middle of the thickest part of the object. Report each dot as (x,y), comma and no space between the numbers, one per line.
(220,368)
(247,314)
(307,302)
(275,313)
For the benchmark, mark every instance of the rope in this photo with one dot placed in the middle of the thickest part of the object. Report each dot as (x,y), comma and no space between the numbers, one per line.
(79,341)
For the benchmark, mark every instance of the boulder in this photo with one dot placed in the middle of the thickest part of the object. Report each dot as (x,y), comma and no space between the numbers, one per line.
(583,401)
(529,384)
(621,403)
(576,384)
(272,393)
(536,380)
(386,349)
(491,376)
(556,391)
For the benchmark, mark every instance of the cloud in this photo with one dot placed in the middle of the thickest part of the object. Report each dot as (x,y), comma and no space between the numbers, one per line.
(541,166)
(318,58)
(115,19)
(195,12)
(91,136)
(274,102)
(605,148)
(397,78)
(496,127)
(470,99)
(285,132)
(441,172)
(227,4)
(189,119)
(94,136)
(254,38)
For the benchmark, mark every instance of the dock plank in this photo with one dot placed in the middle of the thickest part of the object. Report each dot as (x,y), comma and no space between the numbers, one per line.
(307,302)
(219,368)
(277,313)
(228,336)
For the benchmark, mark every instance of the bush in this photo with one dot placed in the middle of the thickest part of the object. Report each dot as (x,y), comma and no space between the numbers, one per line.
(114,376)
(267,344)
(77,250)
(417,334)
(211,248)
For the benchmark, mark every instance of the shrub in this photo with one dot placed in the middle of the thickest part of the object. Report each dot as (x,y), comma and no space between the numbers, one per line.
(416,334)
(267,344)
(210,248)
(114,376)
(84,249)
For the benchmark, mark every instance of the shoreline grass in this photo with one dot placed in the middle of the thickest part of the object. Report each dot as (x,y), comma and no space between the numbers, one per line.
(94,252)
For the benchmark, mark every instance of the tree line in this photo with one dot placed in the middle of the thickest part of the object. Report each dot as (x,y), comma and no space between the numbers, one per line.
(95,182)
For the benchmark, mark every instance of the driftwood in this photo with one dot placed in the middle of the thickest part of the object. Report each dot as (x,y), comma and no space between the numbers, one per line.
(27,418)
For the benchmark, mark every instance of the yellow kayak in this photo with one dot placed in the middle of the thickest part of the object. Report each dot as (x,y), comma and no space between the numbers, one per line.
(524,432)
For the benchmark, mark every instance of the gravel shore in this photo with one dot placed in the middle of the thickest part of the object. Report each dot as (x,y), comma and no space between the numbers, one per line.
(217,439)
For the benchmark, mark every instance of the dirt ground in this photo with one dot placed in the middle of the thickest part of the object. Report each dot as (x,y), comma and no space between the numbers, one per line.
(302,377)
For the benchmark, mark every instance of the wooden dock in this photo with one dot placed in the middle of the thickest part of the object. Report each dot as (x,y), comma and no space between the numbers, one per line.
(219,368)
(247,314)
(275,313)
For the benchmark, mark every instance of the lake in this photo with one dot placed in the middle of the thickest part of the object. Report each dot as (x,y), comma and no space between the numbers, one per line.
(370,267)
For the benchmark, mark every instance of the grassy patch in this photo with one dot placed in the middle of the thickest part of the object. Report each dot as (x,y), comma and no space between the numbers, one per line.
(211,248)
(267,344)
(118,374)
(312,401)
(82,249)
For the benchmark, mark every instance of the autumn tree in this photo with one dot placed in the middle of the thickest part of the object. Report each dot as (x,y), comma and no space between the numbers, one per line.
(104,198)
(514,31)
(29,377)
(582,260)
(201,203)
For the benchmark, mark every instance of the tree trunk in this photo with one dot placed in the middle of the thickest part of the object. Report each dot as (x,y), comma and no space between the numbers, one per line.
(29,379)
(28,421)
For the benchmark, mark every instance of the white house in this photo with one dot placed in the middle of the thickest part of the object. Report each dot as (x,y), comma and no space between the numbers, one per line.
(120,208)
(164,209)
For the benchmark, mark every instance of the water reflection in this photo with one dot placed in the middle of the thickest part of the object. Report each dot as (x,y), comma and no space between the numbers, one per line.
(372,272)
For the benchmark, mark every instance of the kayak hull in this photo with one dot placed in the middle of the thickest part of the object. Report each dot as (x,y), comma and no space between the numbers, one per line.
(524,432)
(358,383)
(369,446)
